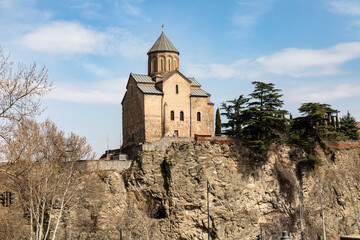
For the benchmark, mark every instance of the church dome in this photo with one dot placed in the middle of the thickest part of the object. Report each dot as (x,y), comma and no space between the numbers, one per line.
(163,44)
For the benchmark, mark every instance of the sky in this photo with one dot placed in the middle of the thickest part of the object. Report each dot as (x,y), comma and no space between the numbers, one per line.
(308,49)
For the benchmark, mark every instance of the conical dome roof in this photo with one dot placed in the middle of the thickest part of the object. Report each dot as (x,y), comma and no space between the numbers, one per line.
(163,44)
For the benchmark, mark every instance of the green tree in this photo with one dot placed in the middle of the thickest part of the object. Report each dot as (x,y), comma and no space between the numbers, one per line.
(315,123)
(233,111)
(217,123)
(264,119)
(349,126)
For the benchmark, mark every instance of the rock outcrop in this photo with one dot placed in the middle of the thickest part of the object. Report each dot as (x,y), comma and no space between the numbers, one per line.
(163,195)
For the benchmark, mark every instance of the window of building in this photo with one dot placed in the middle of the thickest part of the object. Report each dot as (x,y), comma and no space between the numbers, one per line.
(162,65)
(172,116)
(169,65)
(177,89)
(199,116)
(181,116)
(153,64)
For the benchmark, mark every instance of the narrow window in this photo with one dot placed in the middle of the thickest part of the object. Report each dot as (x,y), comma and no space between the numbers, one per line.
(199,116)
(177,89)
(181,116)
(172,116)
(162,65)
(169,65)
(154,65)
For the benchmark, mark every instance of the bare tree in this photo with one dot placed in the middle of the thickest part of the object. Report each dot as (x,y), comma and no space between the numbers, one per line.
(21,88)
(41,171)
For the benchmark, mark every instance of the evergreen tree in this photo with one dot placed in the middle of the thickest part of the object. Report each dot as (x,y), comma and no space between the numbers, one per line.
(315,123)
(217,123)
(349,126)
(263,120)
(233,111)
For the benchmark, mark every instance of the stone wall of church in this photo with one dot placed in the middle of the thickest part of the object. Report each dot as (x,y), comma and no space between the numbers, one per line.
(202,116)
(133,117)
(177,102)
(162,63)
(152,112)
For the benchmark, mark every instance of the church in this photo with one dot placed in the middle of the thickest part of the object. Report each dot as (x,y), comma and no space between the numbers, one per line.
(164,103)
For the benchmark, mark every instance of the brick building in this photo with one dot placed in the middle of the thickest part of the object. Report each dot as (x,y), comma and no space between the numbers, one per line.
(164,102)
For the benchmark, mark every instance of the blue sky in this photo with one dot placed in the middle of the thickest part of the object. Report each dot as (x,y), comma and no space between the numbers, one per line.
(309,49)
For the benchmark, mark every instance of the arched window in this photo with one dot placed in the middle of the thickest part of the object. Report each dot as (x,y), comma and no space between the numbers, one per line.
(172,116)
(162,65)
(153,65)
(169,64)
(177,89)
(199,116)
(181,116)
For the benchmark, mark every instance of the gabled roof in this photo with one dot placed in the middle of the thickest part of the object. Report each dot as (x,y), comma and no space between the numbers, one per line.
(140,78)
(198,93)
(150,90)
(163,44)
(194,83)
(172,73)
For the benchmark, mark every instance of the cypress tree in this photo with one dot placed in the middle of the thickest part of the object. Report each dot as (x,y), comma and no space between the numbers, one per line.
(217,123)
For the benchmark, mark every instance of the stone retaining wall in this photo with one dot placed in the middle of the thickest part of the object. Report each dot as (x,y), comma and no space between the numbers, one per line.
(163,143)
(98,165)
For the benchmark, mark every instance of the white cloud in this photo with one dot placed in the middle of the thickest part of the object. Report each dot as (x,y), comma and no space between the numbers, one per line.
(346,7)
(128,8)
(244,68)
(292,62)
(74,38)
(308,62)
(101,92)
(248,12)
(65,37)
(95,69)
(322,92)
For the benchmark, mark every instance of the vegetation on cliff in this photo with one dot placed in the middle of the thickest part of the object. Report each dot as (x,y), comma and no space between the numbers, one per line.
(260,121)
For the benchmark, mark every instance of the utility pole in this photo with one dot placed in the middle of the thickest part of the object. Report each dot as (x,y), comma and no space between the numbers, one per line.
(208,190)
(301,230)
(322,213)
(69,225)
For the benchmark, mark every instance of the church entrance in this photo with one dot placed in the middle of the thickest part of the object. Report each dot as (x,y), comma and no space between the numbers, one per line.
(176,133)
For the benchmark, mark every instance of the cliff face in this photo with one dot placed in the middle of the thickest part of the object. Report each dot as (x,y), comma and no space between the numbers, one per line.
(163,195)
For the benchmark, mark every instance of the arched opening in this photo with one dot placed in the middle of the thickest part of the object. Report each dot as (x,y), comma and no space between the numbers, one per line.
(199,116)
(162,65)
(176,60)
(177,89)
(169,64)
(153,65)
(172,115)
(181,116)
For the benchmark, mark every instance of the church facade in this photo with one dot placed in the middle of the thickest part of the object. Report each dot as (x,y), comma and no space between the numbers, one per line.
(164,102)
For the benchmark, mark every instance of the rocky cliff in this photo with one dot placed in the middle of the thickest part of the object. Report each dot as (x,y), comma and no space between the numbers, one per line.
(163,195)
